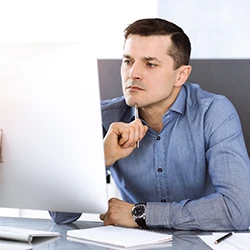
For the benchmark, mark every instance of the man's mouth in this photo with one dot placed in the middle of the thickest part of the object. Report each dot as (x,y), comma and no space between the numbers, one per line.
(133,88)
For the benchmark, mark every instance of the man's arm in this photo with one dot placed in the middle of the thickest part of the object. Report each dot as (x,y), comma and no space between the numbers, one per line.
(64,218)
(228,166)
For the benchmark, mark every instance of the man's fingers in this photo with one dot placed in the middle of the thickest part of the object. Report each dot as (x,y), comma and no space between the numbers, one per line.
(121,140)
(102,217)
(132,133)
(119,213)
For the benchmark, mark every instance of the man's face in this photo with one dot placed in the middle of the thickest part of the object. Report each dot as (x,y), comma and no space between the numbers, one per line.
(147,71)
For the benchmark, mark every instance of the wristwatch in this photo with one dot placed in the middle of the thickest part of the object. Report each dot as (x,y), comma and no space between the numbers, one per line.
(139,214)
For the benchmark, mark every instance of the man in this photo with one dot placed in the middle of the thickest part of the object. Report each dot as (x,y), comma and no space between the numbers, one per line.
(191,169)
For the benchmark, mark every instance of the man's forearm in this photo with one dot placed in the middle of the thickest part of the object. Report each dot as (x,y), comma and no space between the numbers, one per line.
(213,212)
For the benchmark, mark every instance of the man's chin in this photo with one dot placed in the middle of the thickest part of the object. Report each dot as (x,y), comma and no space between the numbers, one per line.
(129,102)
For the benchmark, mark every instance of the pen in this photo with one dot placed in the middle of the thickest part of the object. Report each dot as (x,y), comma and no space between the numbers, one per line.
(223,238)
(137,117)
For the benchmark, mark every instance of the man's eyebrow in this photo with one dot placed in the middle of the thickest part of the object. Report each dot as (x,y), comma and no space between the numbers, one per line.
(126,56)
(146,58)
(150,58)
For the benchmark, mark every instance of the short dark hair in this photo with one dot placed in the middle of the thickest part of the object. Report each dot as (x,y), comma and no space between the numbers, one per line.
(180,49)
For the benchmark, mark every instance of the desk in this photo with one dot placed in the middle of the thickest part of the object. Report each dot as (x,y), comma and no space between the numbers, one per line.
(181,240)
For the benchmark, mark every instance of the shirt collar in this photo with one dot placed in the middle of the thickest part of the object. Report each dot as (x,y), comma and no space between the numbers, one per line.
(178,105)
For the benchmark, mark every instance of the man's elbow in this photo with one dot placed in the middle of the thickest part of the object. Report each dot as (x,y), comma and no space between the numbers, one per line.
(243,223)
(241,219)
(64,218)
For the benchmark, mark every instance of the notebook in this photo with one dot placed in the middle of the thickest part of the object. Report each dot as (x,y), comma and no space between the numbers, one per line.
(119,237)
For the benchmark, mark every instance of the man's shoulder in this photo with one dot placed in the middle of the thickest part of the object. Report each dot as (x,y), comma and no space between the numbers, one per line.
(117,103)
(196,95)
(212,104)
(114,110)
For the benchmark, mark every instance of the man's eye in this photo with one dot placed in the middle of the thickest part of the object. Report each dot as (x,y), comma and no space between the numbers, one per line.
(127,62)
(151,65)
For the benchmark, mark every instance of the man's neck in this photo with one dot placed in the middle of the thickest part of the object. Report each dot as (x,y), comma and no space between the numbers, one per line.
(153,118)
(153,114)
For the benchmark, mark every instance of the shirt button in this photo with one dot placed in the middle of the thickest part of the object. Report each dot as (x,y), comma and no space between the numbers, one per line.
(158,138)
(163,200)
(159,169)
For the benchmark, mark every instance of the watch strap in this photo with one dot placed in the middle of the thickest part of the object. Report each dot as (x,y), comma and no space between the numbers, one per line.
(141,222)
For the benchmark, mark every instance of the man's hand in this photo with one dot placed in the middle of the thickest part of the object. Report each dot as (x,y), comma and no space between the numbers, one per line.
(119,213)
(121,140)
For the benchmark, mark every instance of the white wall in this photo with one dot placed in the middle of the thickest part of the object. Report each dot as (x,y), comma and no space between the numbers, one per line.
(65,21)
(217,29)
(114,16)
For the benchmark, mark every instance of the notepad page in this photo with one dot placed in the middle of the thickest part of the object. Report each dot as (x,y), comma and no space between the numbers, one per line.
(119,236)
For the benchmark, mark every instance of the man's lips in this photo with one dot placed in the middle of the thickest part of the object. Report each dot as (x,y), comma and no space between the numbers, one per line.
(133,88)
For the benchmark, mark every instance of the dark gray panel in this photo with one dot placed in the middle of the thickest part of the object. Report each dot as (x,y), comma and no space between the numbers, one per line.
(230,78)
(227,77)
(109,78)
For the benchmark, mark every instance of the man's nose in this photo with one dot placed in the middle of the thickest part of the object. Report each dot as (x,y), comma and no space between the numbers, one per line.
(135,72)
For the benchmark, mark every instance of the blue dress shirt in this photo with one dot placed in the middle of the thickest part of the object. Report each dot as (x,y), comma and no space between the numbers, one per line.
(194,174)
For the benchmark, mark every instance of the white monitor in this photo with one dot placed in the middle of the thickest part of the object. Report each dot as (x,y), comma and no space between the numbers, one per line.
(52,150)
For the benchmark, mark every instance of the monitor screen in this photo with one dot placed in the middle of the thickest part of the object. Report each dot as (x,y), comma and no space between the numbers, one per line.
(51,132)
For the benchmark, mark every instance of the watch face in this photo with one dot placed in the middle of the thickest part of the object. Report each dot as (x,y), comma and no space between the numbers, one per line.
(139,210)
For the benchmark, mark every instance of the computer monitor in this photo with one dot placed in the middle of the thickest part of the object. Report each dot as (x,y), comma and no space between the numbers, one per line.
(50,119)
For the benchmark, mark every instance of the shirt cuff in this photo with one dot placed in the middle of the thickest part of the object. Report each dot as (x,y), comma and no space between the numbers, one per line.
(157,214)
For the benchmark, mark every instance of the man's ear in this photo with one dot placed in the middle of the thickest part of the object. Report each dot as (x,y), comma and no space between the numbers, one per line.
(183,74)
